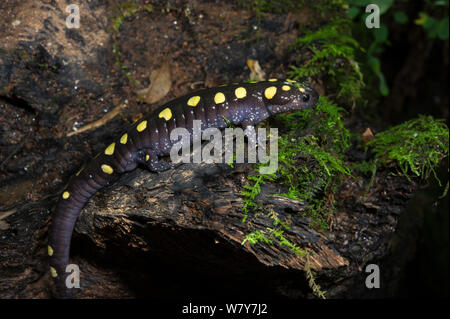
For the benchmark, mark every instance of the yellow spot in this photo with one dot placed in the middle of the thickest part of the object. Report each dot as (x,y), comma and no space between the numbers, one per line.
(124,138)
(50,250)
(142,126)
(53,272)
(193,101)
(292,81)
(240,92)
(301,90)
(147,157)
(219,98)
(166,114)
(65,195)
(253,82)
(286,87)
(273,80)
(107,169)
(270,92)
(110,149)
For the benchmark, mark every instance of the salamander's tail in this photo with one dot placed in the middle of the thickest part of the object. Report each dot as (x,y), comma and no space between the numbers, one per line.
(72,201)
(103,170)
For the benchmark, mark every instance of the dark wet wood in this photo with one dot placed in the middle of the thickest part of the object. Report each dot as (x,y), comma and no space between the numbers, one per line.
(179,233)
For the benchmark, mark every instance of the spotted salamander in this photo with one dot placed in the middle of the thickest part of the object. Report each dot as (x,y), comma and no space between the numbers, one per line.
(149,139)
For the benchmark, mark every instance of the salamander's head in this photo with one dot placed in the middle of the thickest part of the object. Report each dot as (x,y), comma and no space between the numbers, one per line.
(288,96)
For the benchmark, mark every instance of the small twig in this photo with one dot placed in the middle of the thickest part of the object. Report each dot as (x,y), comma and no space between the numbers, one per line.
(109,116)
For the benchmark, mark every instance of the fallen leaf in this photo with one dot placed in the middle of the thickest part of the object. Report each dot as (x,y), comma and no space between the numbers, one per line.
(367,136)
(160,84)
(256,73)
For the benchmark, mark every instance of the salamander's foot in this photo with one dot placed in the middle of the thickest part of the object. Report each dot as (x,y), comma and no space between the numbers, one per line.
(159,166)
(151,161)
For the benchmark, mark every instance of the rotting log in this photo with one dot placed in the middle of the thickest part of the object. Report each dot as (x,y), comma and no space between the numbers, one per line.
(179,233)
(192,217)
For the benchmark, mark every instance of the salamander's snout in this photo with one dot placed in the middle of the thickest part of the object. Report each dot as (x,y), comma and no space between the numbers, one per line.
(292,97)
(309,97)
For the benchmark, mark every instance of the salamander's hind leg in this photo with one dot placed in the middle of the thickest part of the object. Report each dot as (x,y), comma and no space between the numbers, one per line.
(149,158)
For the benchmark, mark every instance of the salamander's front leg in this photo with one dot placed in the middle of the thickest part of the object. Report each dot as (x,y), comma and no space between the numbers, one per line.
(256,142)
(250,131)
(149,158)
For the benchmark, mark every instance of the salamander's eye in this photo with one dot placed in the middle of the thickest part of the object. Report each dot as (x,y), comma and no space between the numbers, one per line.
(305,97)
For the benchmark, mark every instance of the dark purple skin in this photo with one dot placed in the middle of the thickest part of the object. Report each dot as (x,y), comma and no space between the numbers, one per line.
(155,142)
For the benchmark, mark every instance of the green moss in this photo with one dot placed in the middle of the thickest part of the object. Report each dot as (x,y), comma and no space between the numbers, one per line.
(312,281)
(333,52)
(252,191)
(257,237)
(310,167)
(325,119)
(274,235)
(416,146)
